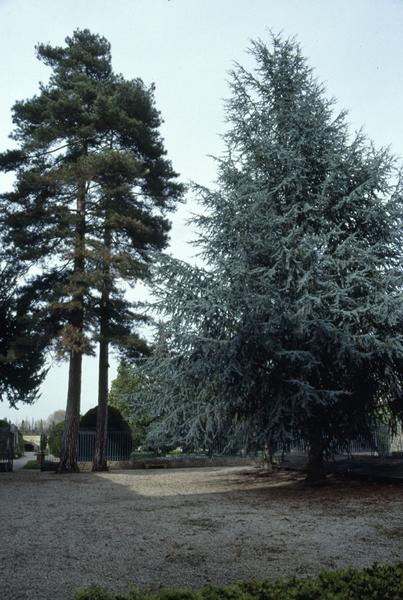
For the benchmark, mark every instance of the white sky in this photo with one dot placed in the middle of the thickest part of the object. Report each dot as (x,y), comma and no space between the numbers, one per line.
(187,48)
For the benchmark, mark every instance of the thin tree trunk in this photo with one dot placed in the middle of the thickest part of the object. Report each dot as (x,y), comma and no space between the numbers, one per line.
(268,454)
(100,458)
(315,466)
(68,458)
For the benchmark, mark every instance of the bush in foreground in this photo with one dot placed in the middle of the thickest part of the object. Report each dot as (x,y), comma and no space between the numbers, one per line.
(375,583)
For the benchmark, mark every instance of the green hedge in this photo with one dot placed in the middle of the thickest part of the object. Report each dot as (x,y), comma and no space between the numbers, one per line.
(376,583)
(115,420)
(55,437)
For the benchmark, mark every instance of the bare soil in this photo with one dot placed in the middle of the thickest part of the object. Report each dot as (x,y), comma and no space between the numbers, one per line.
(185,527)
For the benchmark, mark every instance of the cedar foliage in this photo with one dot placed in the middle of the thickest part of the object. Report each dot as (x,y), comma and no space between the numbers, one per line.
(294,328)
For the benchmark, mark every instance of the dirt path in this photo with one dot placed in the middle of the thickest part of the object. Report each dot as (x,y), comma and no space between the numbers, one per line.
(184,528)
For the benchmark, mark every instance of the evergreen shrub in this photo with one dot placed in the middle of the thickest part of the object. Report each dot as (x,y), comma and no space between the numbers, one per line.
(55,439)
(115,420)
(376,583)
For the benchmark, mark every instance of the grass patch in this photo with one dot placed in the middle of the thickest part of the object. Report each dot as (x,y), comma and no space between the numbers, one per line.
(375,583)
(32,464)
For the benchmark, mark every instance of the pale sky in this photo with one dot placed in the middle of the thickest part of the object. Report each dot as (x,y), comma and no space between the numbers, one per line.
(187,48)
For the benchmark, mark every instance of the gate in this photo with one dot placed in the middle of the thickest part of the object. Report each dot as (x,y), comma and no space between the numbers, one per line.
(6,449)
(119,445)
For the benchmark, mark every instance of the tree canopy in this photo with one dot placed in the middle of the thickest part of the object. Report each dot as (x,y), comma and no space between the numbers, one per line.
(24,338)
(92,186)
(294,327)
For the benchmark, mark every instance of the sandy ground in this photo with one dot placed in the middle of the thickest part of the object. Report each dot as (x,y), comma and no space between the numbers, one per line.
(185,527)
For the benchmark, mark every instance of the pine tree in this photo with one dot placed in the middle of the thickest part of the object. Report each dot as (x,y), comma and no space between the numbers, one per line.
(86,160)
(136,186)
(294,327)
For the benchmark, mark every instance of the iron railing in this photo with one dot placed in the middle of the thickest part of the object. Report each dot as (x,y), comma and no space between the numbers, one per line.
(6,449)
(119,447)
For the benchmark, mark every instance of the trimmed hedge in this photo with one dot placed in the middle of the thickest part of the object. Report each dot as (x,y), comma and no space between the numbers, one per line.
(115,420)
(375,583)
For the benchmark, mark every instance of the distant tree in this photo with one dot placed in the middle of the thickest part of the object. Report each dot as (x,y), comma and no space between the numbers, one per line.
(125,391)
(32,426)
(55,438)
(57,416)
(294,328)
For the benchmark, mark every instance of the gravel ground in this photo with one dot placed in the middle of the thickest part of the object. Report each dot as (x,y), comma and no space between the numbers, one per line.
(185,527)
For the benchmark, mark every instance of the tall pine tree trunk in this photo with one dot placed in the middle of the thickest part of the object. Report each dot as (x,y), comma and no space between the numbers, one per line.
(268,454)
(68,458)
(100,458)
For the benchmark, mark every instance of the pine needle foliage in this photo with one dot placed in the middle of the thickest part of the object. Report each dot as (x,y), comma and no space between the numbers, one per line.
(24,338)
(92,186)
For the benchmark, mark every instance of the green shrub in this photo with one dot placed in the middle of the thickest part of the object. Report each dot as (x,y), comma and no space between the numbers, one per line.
(55,439)
(375,583)
(94,592)
(32,464)
(115,420)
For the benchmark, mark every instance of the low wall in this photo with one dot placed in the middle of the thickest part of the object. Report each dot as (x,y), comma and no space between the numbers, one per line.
(189,462)
(85,466)
(174,462)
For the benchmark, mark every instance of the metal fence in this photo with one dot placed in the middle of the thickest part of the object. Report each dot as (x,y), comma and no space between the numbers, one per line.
(6,449)
(380,443)
(119,447)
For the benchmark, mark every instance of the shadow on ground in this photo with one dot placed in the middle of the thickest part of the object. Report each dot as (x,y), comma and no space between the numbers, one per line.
(185,527)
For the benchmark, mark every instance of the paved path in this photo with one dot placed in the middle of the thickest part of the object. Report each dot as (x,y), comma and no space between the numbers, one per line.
(18,463)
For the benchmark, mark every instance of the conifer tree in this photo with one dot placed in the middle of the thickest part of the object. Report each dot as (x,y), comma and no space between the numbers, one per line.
(79,208)
(294,327)
(23,339)
(136,186)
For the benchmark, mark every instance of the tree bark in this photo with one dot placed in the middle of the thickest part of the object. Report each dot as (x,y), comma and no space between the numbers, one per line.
(268,455)
(68,458)
(101,440)
(315,472)
(100,458)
